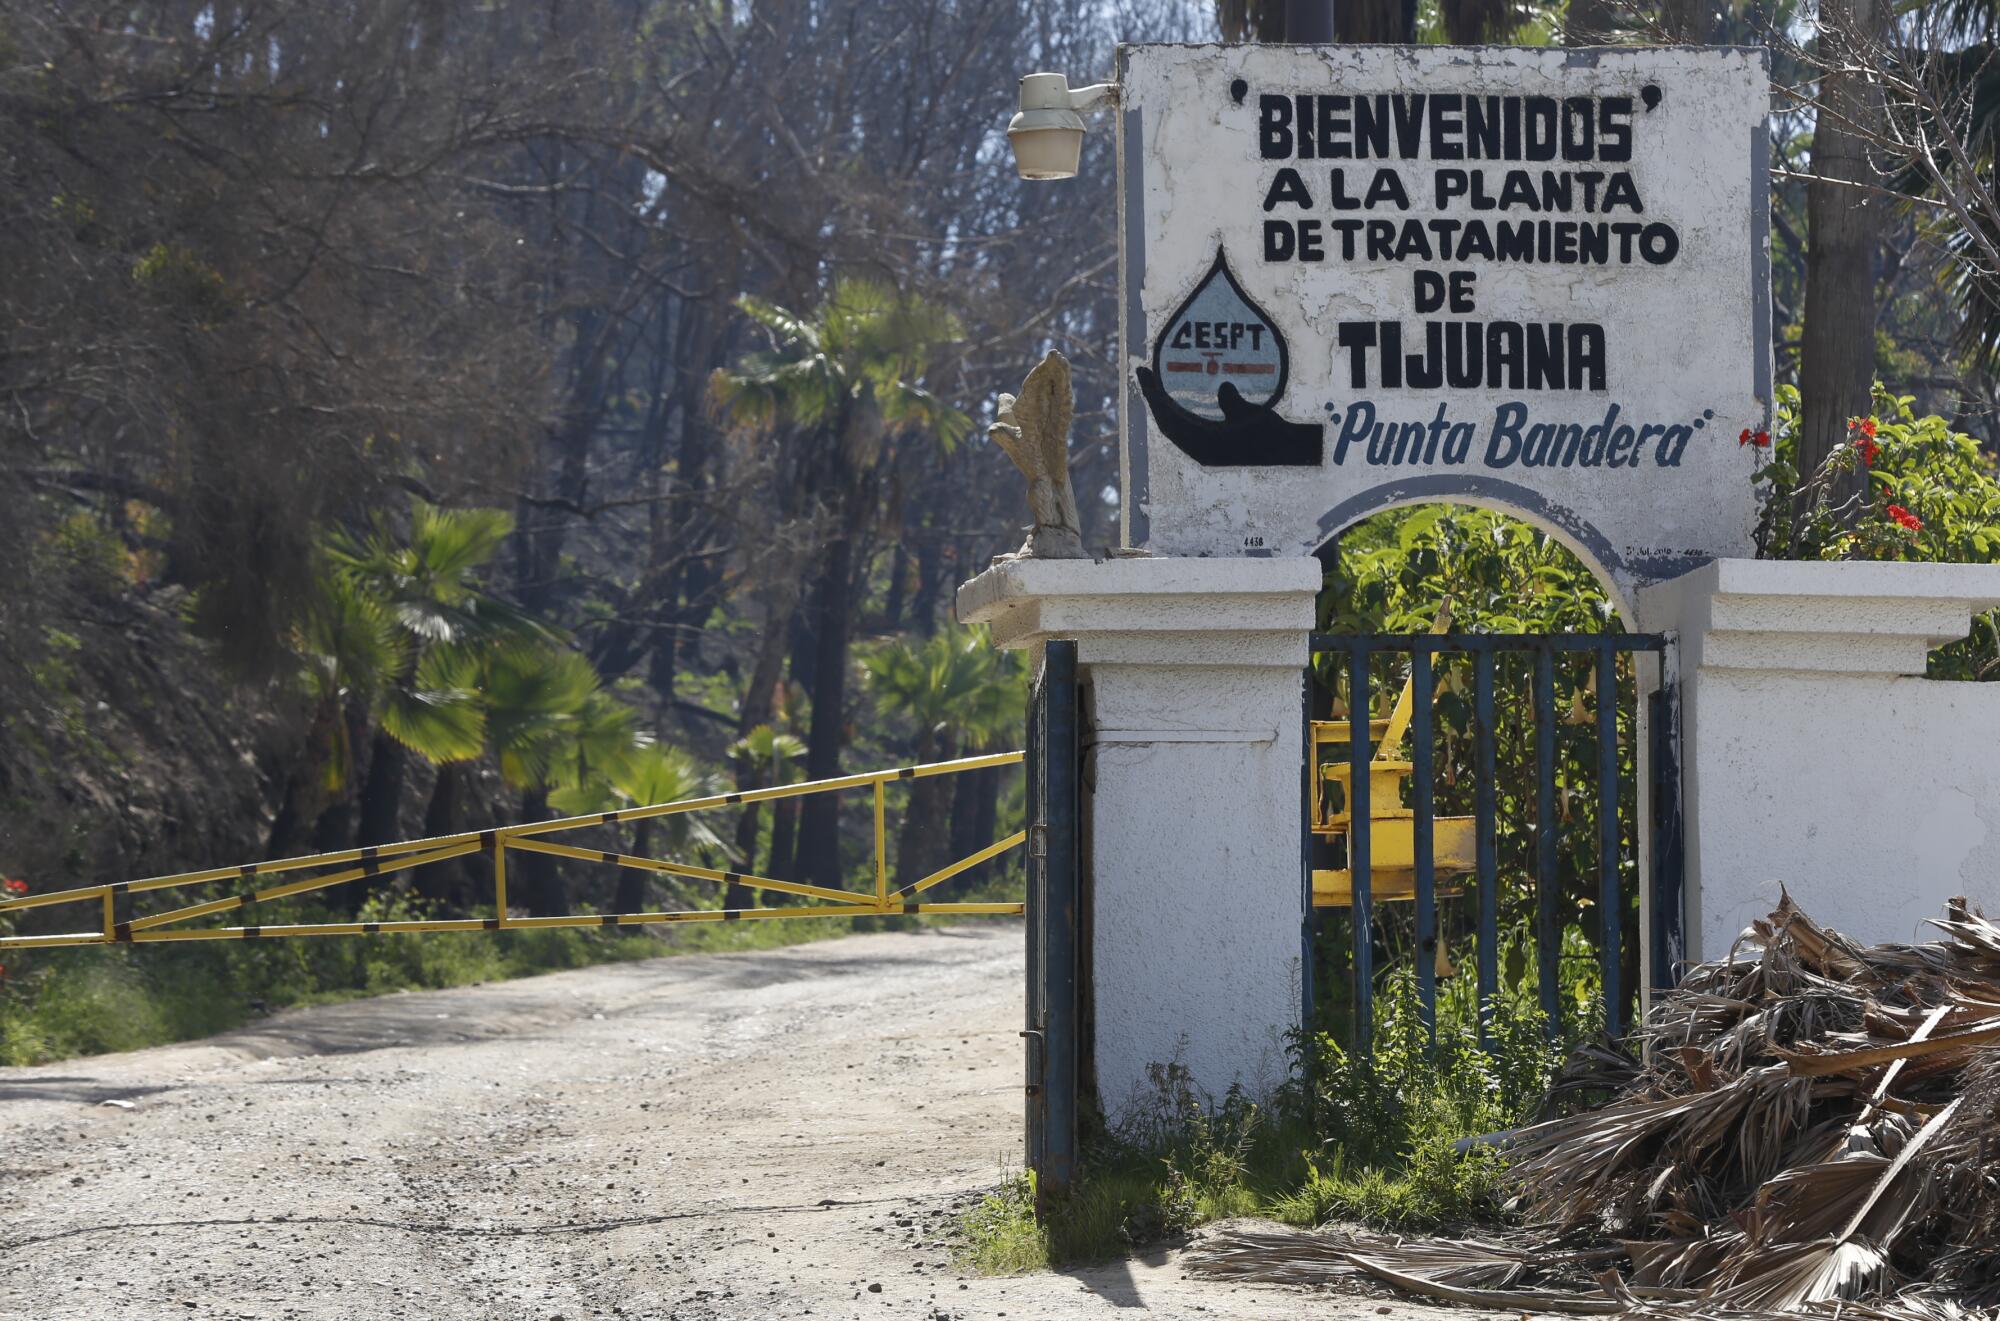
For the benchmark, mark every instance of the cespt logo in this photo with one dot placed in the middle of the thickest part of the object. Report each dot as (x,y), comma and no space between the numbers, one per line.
(1219,368)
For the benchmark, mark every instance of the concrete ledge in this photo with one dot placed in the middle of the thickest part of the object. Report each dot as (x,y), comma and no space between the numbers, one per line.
(1834,618)
(1152,610)
(1969,582)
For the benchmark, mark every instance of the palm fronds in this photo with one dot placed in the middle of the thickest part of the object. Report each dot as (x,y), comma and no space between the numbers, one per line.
(1816,1129)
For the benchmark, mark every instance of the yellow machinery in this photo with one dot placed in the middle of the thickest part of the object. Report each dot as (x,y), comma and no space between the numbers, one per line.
(1392,827)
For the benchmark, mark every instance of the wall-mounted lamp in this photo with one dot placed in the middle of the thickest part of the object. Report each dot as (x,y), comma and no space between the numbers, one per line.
(1047,134)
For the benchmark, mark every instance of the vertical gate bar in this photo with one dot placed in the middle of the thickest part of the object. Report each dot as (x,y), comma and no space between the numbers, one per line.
(1610,894)
(1669,940)
(1306,912)
(1548,935)
(881,848)
(1423,855)
(1034,1057)
(1359,876)
(1485,825)
(499,847)
(1061,756)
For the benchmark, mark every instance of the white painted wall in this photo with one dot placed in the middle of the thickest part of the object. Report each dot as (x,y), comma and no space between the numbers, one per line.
(1816,760)
(1192,802)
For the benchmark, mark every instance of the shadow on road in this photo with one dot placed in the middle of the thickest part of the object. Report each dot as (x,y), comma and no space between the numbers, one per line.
(81,1090)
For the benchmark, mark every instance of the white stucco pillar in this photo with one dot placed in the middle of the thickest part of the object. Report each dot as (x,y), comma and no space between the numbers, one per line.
(1814,754)
(1193,672)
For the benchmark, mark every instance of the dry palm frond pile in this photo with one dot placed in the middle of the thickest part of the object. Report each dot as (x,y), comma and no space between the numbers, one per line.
(1817,1129)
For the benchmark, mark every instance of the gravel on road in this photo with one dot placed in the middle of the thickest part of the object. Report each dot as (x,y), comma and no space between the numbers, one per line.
(772,1134)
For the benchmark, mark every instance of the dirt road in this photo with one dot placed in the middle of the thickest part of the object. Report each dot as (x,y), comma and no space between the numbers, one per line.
(757,1135)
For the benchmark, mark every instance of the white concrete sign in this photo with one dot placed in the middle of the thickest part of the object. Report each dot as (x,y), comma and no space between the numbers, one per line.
(1357,277)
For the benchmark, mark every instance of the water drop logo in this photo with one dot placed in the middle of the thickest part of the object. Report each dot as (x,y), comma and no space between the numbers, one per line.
(1218,337)
(1219,367)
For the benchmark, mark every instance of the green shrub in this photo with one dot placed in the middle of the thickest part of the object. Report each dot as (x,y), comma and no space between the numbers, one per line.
(1384,1124)
(998,1235)
(1902,487)
(1370,1138)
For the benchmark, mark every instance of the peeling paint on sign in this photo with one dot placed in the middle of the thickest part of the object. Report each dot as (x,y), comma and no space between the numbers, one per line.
(1363,276)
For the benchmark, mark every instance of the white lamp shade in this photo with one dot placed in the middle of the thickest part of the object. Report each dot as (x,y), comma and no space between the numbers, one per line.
(1047,143)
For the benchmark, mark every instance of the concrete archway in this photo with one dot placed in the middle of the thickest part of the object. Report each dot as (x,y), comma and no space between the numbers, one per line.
(1619,580)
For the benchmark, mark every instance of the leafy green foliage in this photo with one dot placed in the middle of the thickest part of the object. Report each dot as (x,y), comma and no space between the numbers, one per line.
(960,693)
(1395,571)
(420,595)
(955,687)
(770,751)
(547,715)
(1903,487)
(1350,1137)
(858,359)
(1387,1124)
(1892,461)
(639,773)
(649,771)
(92,561)
(186,288)
(998,1234)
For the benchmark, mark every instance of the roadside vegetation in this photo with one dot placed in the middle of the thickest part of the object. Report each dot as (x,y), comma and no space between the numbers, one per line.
(111,998)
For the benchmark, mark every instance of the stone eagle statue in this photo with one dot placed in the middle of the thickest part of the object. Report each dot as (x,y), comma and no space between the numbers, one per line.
(1033,428)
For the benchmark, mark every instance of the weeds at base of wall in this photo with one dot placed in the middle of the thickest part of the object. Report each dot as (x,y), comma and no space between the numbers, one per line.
(1363,1139)
(1122,1207)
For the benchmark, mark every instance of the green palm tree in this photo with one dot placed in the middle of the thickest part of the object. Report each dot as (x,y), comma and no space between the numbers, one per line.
(345,644)
(427,584)
(554,728)
(845,382)
(643,772)
(761,757)
(954,688)
(532,697)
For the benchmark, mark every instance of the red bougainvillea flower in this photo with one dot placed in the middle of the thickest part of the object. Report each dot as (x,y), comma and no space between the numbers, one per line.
(1868,449)
(1744,439)
(14,885)
(1865,425)
(1904,518)
(1761,439)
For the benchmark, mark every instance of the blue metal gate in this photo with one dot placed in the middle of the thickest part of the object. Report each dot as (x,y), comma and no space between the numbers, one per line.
(1055,947)
(1414,828)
